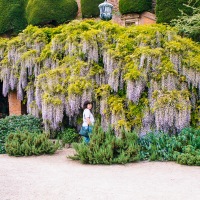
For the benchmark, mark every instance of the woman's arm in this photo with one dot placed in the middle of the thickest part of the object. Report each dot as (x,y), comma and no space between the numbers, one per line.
(88,121)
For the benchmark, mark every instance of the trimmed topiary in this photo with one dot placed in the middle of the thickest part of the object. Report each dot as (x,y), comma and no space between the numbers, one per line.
(12,17)
(134,6)
(90,8)
(50,11)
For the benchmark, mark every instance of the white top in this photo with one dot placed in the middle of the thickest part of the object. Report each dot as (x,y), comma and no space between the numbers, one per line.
(86,114)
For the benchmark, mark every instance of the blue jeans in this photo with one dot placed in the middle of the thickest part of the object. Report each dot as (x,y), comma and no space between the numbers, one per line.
(87,139)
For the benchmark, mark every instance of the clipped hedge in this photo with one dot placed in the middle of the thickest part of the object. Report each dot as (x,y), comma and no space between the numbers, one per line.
(170,9)
(50,11)
(15,15)
(12,16)
(23,143)
(12,124)
(134,6)
(89,8)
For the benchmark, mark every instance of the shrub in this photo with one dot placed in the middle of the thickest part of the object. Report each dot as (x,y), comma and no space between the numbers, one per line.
(134,6)
(190,156)
(69,136)
(157,146)
(189,26)
(163,8)
(12,17)
(23,143)
(17,123)
(183,148)
(189,136)
(105,148)
(50,11)
(89,8)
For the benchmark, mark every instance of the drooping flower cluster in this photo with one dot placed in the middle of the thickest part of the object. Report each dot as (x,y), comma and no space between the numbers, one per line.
(119,68)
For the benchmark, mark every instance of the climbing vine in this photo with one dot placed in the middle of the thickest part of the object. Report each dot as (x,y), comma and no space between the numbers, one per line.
(140,77)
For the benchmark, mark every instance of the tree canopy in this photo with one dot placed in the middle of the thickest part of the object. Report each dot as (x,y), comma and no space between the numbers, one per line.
(170,9)
(189,25)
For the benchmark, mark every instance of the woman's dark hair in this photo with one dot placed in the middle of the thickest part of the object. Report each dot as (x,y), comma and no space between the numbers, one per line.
(86,103)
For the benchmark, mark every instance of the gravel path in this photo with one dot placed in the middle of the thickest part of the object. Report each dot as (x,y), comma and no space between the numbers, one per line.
(58,178)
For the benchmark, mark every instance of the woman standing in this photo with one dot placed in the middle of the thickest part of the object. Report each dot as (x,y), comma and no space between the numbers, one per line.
(88,119)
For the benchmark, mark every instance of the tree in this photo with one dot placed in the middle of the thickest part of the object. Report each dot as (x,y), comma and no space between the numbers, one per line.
(189,25)
(169,9)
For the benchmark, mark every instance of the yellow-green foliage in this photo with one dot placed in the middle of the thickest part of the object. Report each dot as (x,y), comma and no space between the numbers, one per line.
(103,91)
(133,73)
(173,98)
(128,72)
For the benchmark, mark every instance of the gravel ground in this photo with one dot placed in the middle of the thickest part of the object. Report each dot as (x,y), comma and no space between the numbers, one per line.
(58,178)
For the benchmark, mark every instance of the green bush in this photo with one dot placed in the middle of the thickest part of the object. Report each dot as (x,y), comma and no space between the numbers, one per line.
(189,156)
(23,143)
(183,148)
(106,148)
(170,9)
(157,146)
(189,26)
(69,136)
(16,123)
(89,8)
(134,6)
(50,11)
(12,16)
